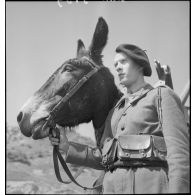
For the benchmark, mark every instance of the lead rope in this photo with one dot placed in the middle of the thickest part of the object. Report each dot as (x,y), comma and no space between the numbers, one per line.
(57,156)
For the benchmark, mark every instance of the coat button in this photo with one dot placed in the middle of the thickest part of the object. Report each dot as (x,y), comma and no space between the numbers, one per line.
(122,128)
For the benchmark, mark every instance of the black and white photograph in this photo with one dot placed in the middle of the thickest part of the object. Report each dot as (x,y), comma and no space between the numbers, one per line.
(97,97)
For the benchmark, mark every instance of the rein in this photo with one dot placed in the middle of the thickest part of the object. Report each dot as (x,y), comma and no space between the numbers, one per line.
(52,125)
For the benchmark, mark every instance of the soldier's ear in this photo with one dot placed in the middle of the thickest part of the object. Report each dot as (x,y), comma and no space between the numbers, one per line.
(141,69)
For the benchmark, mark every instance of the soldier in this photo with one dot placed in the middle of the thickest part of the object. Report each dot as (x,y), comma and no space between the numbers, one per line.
(143,113)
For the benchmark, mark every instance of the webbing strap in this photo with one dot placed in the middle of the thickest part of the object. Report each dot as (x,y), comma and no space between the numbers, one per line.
(160,107)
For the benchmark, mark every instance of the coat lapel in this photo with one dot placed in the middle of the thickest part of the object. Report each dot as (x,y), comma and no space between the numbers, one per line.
(146,89)
(136,99)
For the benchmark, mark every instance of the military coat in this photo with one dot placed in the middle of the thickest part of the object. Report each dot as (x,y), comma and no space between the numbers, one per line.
(138,114)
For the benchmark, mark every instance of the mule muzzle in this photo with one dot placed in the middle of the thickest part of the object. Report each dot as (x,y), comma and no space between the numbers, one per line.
(24,124)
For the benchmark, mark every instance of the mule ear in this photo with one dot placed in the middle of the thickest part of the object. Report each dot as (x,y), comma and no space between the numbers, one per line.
(80,48)
(99,40)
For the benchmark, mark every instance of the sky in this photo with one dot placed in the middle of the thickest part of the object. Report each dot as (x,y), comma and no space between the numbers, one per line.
(40,36)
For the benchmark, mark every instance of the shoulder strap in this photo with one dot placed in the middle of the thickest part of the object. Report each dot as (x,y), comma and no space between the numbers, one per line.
(159,107)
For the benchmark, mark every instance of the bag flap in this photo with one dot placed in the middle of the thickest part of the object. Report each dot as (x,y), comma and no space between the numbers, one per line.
(134,142)
(159,143)
(107,146)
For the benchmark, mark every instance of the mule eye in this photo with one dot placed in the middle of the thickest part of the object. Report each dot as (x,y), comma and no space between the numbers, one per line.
(67,68)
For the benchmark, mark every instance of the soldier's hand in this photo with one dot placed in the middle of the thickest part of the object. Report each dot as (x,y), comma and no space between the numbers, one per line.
(59,138)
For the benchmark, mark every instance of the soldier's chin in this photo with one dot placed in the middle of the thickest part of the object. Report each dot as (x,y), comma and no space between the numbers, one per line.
(123,82)
(38,133)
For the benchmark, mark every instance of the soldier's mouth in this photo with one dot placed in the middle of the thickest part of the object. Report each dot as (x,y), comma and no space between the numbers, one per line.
(121,76)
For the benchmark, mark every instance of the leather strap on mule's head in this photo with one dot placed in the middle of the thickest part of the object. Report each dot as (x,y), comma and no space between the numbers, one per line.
(52,116)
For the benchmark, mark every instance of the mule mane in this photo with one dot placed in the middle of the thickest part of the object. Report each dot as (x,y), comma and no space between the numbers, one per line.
(113,92)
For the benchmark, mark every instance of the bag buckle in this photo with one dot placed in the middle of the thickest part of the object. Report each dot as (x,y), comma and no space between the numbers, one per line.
(127,154)
(104,160)
(142,152)
(109,168)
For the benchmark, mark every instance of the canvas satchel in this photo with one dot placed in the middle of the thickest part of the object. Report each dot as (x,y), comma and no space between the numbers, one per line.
(141,147)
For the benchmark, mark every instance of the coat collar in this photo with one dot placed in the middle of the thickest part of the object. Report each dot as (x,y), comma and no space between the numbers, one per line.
(132,98)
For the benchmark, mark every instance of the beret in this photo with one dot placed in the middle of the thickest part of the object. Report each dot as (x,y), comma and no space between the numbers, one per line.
(137,55)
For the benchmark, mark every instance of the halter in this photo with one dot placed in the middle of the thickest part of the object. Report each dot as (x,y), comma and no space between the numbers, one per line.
(52,125)
(52,115)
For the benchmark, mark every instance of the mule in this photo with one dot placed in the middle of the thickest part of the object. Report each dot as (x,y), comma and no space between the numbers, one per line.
(92,101)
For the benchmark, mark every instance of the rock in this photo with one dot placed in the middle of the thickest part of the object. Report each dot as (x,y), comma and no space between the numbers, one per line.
(38,172)
(21,187)
(17,156)
(64,191)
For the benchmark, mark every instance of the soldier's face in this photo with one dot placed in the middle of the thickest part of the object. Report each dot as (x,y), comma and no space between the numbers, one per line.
(128,71)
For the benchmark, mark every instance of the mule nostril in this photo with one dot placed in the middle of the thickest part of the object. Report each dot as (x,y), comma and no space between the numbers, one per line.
(19,117)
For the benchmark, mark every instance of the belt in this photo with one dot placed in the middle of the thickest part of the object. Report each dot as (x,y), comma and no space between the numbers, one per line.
(135,164)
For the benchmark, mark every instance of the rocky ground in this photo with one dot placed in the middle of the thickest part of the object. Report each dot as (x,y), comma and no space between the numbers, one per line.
(29,166)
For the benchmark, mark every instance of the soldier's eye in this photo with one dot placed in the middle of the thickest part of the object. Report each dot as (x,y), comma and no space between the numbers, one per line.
(123,61)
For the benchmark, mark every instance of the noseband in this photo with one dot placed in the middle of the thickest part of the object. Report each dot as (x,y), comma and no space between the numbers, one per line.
(52,115)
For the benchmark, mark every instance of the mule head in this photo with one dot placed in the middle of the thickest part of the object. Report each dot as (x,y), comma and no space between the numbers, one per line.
(96,94)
